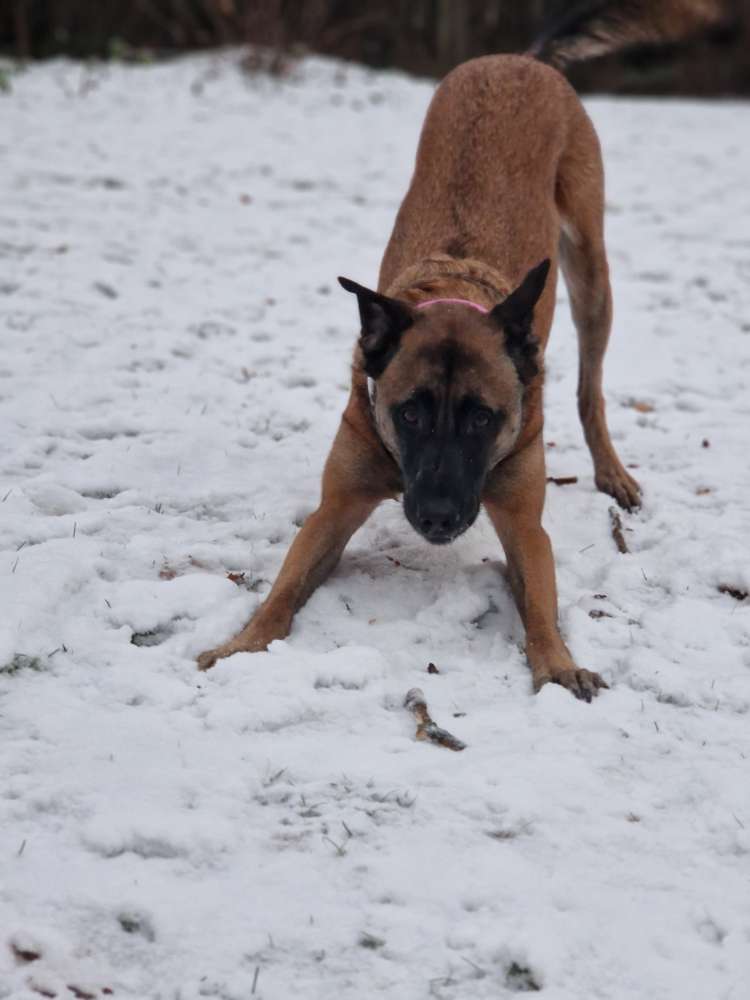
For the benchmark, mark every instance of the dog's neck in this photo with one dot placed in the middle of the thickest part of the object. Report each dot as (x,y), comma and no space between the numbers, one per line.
(441,276)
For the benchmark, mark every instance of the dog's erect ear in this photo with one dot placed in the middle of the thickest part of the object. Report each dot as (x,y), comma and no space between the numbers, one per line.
(518,308)
(383,322)
(515,316)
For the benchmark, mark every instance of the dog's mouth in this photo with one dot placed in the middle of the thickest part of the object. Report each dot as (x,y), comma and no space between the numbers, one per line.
(440,522)
(442,538)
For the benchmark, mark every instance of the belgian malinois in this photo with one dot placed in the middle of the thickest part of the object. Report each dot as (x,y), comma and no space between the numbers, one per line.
(446,398)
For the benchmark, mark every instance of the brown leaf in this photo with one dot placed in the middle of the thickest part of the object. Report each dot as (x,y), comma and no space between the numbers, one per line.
(43,991)
(80,993)
(738,595)
(24,954)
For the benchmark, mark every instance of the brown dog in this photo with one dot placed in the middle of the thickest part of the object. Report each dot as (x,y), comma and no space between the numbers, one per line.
(446,398)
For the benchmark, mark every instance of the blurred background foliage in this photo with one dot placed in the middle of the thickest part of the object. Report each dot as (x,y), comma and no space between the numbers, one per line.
(426,37)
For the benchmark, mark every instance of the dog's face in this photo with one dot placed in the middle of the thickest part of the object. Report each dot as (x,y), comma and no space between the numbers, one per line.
(449,393)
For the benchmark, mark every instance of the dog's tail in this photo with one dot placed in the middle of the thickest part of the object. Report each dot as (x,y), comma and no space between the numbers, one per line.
(597,27)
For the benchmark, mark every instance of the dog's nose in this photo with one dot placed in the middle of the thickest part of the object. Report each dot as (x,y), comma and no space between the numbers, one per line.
(439,520)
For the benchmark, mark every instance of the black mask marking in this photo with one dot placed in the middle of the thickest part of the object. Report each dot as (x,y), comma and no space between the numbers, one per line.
(444,447)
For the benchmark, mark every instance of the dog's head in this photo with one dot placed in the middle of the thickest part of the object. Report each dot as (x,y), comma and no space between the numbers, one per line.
(449,392)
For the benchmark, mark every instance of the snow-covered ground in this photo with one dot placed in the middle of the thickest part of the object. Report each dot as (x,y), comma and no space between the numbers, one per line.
(174,357)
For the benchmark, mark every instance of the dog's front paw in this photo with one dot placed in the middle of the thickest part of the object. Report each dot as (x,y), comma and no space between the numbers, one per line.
(614,480)
(584,684)
(208,658)
(254,638)
(237,645)
(241,643)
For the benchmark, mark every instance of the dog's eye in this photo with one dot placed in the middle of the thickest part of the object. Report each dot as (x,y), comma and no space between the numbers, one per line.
(481,419)
(410,413)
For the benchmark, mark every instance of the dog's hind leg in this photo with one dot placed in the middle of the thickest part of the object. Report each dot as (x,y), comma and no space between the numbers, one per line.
(580,200)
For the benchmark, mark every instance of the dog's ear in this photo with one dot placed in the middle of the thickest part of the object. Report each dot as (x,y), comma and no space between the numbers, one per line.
(515,316)
(383,322)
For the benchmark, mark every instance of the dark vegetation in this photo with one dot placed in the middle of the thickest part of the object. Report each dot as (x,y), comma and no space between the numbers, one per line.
(426,37)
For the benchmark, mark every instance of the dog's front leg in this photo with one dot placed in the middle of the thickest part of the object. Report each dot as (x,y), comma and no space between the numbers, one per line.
(314,553)
(514,502)
(348,499)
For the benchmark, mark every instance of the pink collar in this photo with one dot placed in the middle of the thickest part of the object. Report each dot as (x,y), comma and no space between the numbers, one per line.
(458,302)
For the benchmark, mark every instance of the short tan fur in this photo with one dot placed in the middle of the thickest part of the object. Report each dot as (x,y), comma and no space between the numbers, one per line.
(508,174)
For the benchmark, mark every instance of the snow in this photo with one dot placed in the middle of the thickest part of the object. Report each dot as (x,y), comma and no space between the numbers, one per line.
(174,361)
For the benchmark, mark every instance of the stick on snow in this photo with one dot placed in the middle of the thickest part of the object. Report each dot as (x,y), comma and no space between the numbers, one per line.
(615,522)
(426,728)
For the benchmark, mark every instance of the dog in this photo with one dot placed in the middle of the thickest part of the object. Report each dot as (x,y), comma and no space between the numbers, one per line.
(445,407)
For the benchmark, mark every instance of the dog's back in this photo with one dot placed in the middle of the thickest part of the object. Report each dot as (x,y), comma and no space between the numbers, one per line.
(501,135)
(508,158)
(509,173)
(485,172)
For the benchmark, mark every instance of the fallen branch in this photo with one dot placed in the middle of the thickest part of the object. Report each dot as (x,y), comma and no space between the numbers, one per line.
(426,728)
(617,533)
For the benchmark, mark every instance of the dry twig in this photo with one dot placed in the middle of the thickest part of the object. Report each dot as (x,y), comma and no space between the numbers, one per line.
(562,480)
(426,728)
(617,533)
